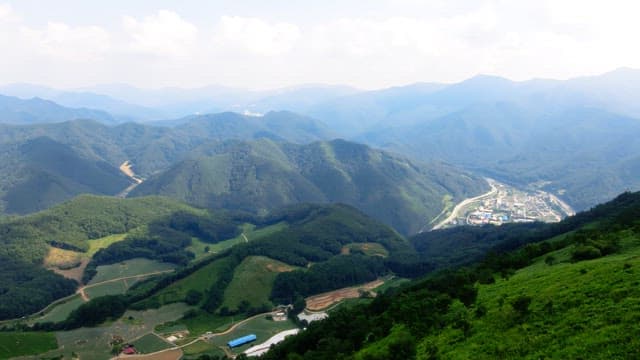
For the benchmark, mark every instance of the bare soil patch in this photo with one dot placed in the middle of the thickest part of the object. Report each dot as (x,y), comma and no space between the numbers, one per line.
(322,301)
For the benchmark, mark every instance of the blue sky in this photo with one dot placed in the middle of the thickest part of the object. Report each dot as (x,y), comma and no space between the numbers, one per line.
(269,44)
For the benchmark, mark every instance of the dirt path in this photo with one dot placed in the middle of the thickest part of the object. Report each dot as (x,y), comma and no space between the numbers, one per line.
(245,237)
(126,168)
(464,203)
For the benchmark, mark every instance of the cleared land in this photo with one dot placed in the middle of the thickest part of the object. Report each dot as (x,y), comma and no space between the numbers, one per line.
(129,268)
(61,312)
(200,280)
(369,249)
(253,281)
(151,343)
(174,354)
(93,343)
(260,326)
(14,344)
(323,301)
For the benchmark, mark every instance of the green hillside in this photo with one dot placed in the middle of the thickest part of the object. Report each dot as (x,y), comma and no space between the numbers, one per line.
(566,297)
(263,175)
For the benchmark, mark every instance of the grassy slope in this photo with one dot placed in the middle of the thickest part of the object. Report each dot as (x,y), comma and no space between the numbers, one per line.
(595,310)
(256,274)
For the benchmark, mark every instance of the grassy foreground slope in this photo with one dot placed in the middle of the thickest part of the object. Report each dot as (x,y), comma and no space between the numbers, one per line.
(571,296)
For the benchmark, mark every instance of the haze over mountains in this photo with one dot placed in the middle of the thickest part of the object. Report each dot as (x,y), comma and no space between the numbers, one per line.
(574,137)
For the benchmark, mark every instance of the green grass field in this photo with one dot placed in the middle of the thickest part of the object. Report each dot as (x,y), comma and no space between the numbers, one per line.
(109,288)
(576,309)
(202,348)
(261,327)
(200,280)
(248,230)
(61,311)
(27,343)
(150,343)
(369,249)
(253,281)
(104,242)
(93,343)
(129,268)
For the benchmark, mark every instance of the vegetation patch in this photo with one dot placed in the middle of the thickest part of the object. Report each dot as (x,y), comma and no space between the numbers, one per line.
(62,259)
(129,268)
(150,343)
(252,283)
(61,311)
(14,344)
(368,249)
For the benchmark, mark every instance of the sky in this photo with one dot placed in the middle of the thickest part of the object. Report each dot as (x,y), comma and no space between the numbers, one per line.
(257,44)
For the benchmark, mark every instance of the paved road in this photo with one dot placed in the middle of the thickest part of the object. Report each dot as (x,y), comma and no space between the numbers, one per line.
(465,202)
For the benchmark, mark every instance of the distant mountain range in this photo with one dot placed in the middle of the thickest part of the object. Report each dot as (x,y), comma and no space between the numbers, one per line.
(227,161)
(574,138)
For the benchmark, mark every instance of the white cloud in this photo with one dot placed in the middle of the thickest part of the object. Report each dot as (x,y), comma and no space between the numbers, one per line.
(7,14)
(256,35)
(64,42)
(163,33)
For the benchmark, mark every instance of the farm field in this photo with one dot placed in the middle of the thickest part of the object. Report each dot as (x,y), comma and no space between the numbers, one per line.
(109,288)
(128,268)
(369,249)
(175,354)
(200,280)
(101,243)
(93,343)
(61,311)
(201,348)
(260,326)
(256,273)
(323,301)
(150,343)
(18,344)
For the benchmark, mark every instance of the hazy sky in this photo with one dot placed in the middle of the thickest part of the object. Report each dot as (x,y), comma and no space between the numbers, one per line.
(272,43)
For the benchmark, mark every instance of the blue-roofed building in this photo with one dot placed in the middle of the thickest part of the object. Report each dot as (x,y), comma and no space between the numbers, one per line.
(242,340)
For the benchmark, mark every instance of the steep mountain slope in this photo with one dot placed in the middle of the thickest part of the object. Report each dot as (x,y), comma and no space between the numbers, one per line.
(42,172)
(564,297)
(263,175)
(17,111)
(48,163)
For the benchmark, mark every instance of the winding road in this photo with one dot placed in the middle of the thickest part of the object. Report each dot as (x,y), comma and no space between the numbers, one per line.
(456,210)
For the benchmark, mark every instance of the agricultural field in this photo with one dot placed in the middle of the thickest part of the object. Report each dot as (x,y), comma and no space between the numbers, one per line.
(28,343)
(62,259)
(108,288)
(61,311)
(369,249)
(93,343)
(150,343)
(200,280)
(253,281)
(201,348)
(262,327)
(104,242)
(129,268)
(325,300)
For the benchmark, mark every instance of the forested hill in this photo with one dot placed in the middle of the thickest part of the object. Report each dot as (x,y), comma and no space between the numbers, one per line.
(262,175)
(44,164)
(561,297)
(103,231)
(17,111)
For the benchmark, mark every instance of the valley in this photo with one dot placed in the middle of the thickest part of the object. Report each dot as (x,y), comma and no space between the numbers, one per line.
(506,204)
